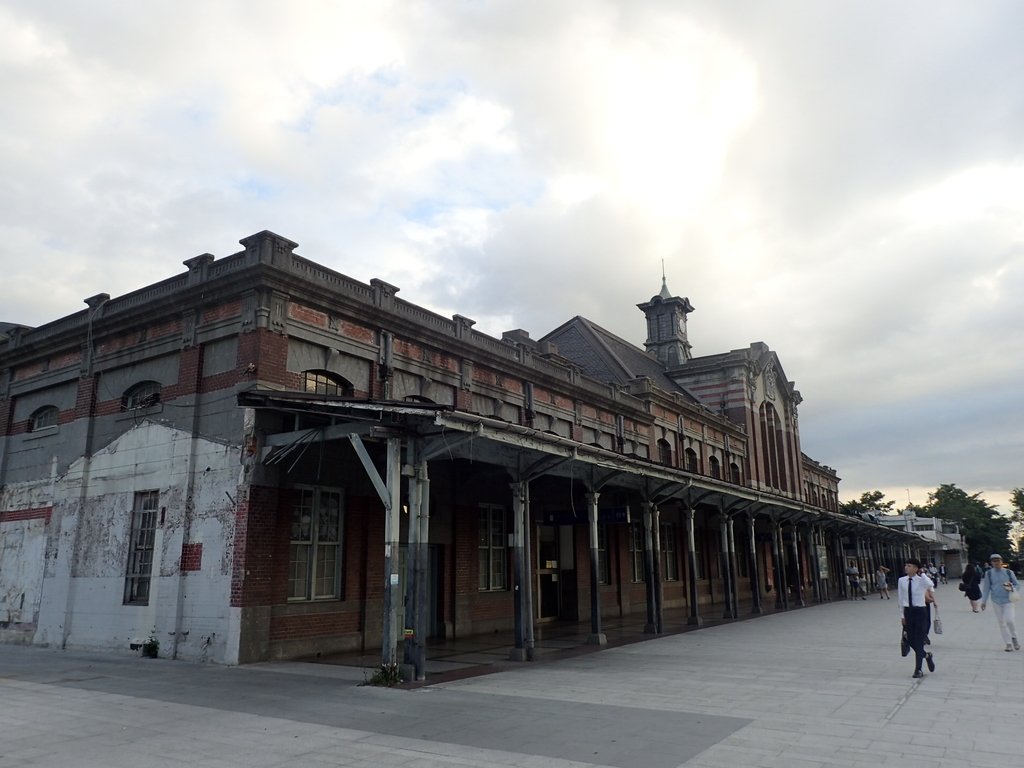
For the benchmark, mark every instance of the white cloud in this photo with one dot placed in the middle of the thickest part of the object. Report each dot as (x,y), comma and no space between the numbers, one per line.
(843,182)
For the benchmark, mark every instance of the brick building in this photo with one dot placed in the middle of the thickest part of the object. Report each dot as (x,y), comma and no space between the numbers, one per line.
(262,458)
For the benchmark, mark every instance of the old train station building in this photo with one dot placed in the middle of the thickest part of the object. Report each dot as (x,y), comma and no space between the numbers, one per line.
(261,458)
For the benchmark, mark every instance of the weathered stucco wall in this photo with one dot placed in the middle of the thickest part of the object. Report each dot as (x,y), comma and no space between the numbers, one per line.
(69,574)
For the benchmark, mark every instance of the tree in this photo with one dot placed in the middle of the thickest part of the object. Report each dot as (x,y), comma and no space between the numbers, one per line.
(981,524)
(868,501)
(1017,516)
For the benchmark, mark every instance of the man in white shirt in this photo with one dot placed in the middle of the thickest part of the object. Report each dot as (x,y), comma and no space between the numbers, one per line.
(915,591)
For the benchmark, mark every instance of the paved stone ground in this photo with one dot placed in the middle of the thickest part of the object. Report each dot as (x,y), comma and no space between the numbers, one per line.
(824,686)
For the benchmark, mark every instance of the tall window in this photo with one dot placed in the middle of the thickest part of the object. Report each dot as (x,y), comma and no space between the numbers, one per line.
(603,570)
(773,447)
(142,395)
(669,559)
(691,460)
(493,574)
(326,383)
(636,551)
(43,417)
(715,468)
(735,476)
(314,569)
(664,453)
(140,547)
(698,553)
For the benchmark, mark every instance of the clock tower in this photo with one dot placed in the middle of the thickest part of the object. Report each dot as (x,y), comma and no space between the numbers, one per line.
(666,327)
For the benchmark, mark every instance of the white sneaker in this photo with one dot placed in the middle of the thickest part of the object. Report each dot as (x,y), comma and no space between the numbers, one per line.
(1008,648)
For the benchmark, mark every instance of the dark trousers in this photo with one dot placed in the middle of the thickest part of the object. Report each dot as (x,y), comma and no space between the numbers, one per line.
(916,621)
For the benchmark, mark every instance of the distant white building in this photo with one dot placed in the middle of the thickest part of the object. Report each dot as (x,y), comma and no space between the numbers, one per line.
(946,543)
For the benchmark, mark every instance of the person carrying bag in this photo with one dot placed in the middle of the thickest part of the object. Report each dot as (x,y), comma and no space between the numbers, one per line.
(1000,585)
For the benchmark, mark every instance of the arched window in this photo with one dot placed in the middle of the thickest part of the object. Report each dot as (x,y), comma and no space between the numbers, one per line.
(664,453)
(142,395)
(735,476)
(691,460)
(714,468)
(326,383)
(773,447)
(43,417)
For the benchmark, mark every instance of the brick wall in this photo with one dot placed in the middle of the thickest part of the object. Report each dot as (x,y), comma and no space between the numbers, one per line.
(310,625)
(37,513)
(260,575)
(192,556)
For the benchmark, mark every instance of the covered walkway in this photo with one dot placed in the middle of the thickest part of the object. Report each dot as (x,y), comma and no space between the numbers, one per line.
(465,657)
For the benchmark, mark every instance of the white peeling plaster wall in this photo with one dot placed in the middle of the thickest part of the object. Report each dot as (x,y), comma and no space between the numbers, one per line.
(22,553)
(83,589)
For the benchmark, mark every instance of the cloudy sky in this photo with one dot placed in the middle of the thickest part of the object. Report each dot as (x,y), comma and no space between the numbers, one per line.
(843,180)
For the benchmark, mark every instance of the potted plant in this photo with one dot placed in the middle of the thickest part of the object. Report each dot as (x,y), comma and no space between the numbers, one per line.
(151,648)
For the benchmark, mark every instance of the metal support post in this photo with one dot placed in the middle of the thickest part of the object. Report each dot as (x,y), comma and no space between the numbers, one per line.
(651,626)
(798,587)
(389,629)
(422,568)
(755,577)
(520,580)
(597,637)
(694,618)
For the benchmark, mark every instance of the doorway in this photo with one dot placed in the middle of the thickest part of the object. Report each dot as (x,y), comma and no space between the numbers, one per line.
(555,574)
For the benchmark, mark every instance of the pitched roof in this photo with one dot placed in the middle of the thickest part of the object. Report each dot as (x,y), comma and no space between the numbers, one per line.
(602,355)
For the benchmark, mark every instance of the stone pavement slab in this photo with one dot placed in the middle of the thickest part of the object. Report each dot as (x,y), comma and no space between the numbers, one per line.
(824,686)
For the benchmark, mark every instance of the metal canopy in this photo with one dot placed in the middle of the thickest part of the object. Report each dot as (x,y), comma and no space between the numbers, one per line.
(456,434)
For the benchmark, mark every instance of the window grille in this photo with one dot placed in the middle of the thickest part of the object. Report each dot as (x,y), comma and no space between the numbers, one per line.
(44,417)
(326,383)
(493,560)
(669,560)
(142,395)
(636,551)
(140,547)
(314,570)
(603,569)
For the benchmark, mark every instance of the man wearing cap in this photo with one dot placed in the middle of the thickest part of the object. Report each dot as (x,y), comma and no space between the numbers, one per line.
(914,592)
(999,584)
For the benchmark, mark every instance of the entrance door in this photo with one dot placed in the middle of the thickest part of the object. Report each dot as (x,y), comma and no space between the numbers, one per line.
(548,603)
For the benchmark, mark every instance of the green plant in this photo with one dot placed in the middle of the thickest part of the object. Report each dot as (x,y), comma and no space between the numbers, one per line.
(151,648)
(387,675)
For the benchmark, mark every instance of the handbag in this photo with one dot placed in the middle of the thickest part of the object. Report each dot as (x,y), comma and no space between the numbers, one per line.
(962,587)
(904,644)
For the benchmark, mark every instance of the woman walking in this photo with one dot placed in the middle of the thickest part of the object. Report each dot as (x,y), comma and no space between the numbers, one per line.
(970,585)
(882,583)
(1000,585)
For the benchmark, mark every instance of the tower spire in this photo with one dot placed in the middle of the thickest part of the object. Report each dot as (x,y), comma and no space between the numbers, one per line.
(666,325)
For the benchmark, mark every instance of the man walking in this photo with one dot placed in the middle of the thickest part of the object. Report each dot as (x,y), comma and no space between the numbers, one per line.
(999,585)
(915,591)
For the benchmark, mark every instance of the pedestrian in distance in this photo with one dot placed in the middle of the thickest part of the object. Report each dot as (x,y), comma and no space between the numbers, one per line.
(970,585)
(1000,586)
(882,582)
(914,592)
(853,574)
